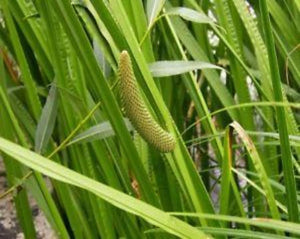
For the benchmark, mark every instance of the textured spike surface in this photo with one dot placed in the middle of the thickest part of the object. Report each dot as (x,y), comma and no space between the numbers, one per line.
(136,110)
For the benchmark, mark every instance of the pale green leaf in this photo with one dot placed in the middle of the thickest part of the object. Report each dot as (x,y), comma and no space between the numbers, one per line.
(46,123)
(170,68)
(190,15)
(97,132)
(153,9)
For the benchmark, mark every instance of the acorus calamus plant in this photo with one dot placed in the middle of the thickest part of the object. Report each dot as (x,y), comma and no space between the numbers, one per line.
(151,118)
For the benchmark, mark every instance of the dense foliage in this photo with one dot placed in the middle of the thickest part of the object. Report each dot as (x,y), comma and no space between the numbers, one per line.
(219,77)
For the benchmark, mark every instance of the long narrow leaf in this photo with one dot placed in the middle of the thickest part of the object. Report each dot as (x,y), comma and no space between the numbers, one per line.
(47,121)
(171,68)
(189,15)
(259,168)
(153,9)
(100,131)
(118,199)
(288,169)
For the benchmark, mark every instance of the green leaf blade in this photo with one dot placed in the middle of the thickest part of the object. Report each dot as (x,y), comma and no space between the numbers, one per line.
(47,121)
(171,68)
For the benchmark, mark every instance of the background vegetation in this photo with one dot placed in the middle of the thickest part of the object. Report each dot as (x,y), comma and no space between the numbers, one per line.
(222,76)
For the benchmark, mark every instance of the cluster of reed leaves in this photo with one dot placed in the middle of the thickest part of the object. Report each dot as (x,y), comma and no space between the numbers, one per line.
(221,76)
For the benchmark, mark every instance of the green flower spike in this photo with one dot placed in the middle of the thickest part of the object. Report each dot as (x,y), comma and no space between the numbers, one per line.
(136,110)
